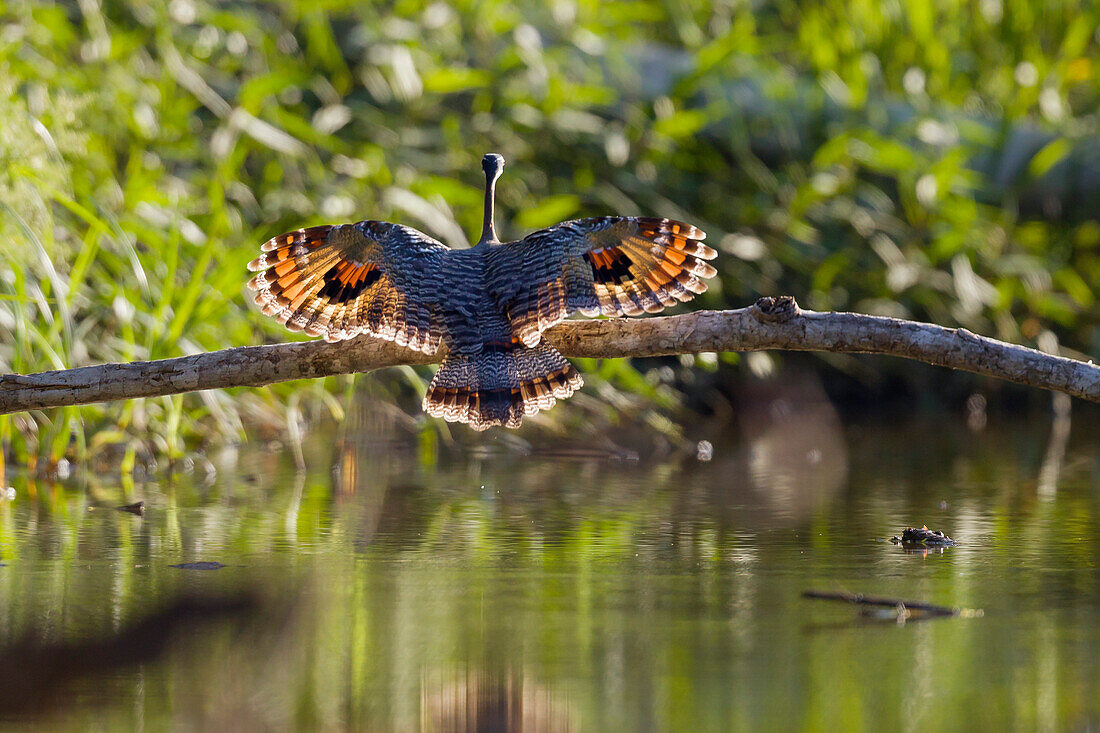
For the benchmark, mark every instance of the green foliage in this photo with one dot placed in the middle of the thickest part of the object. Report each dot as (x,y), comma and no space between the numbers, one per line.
(911,159)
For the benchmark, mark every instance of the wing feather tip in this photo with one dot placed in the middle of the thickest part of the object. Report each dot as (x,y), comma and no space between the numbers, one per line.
(702,269)
(704,252)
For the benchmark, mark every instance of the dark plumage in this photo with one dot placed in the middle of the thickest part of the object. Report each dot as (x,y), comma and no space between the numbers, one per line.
(489,304)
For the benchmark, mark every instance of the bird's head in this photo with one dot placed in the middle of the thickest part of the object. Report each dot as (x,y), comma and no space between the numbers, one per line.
(493,165)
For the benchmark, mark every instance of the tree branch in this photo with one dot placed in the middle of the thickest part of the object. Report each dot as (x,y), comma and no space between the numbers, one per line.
(771,323)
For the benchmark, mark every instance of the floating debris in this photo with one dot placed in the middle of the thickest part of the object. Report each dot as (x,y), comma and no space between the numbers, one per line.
(198,566)
(704,451)
(893,609)
(138,508)
(923,537)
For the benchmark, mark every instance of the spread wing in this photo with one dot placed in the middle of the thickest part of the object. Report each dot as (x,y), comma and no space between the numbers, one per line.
(339,281)
(612,265)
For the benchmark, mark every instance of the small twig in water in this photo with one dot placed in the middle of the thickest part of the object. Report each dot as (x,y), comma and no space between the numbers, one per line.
(860,599)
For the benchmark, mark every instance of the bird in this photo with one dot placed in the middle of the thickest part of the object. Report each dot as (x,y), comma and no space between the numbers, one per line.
(488,304)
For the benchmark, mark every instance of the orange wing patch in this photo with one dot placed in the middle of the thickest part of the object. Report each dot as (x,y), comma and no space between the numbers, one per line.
(328,281)
(347,280)
(611,266)
(668,266)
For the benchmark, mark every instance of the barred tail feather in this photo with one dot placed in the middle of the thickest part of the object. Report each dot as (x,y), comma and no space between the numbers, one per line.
(500,385)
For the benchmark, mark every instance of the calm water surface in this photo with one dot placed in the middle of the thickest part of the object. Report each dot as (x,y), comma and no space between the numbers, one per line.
(396,587)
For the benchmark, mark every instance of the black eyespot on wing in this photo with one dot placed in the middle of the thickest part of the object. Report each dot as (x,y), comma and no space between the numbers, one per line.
(346,280)
(609,266)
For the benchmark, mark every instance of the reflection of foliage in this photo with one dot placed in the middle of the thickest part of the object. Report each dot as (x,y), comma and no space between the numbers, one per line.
(658,596)
(903,159)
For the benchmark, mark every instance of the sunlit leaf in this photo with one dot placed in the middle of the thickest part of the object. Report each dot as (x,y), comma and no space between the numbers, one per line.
(451,80)
(1049,156)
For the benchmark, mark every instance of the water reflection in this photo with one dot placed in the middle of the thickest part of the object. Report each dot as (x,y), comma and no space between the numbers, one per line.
(467,700)
(436,588)
(37,673)
(797,454)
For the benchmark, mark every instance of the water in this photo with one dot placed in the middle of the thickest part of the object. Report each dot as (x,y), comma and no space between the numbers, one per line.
(387,589)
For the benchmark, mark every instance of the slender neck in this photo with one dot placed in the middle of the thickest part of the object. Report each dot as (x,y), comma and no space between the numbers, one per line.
(493,167)
(488,229)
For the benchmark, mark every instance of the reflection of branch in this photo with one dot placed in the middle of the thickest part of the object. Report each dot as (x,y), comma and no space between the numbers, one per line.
(772,323)
(1056,448)
(33,673)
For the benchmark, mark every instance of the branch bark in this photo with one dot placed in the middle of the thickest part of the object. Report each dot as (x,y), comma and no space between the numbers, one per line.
(771,323)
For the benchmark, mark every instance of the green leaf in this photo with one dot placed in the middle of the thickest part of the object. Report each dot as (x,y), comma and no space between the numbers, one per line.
(682,124)
(1049,156)
(448,80)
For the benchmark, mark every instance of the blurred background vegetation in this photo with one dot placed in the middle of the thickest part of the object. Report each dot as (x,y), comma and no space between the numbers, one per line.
(936,161)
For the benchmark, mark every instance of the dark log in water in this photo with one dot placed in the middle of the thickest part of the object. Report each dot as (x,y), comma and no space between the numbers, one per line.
(861,600)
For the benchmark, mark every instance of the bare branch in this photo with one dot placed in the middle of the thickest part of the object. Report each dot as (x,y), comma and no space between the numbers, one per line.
(772,323)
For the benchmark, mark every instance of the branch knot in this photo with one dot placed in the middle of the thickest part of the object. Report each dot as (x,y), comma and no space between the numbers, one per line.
(776,309)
